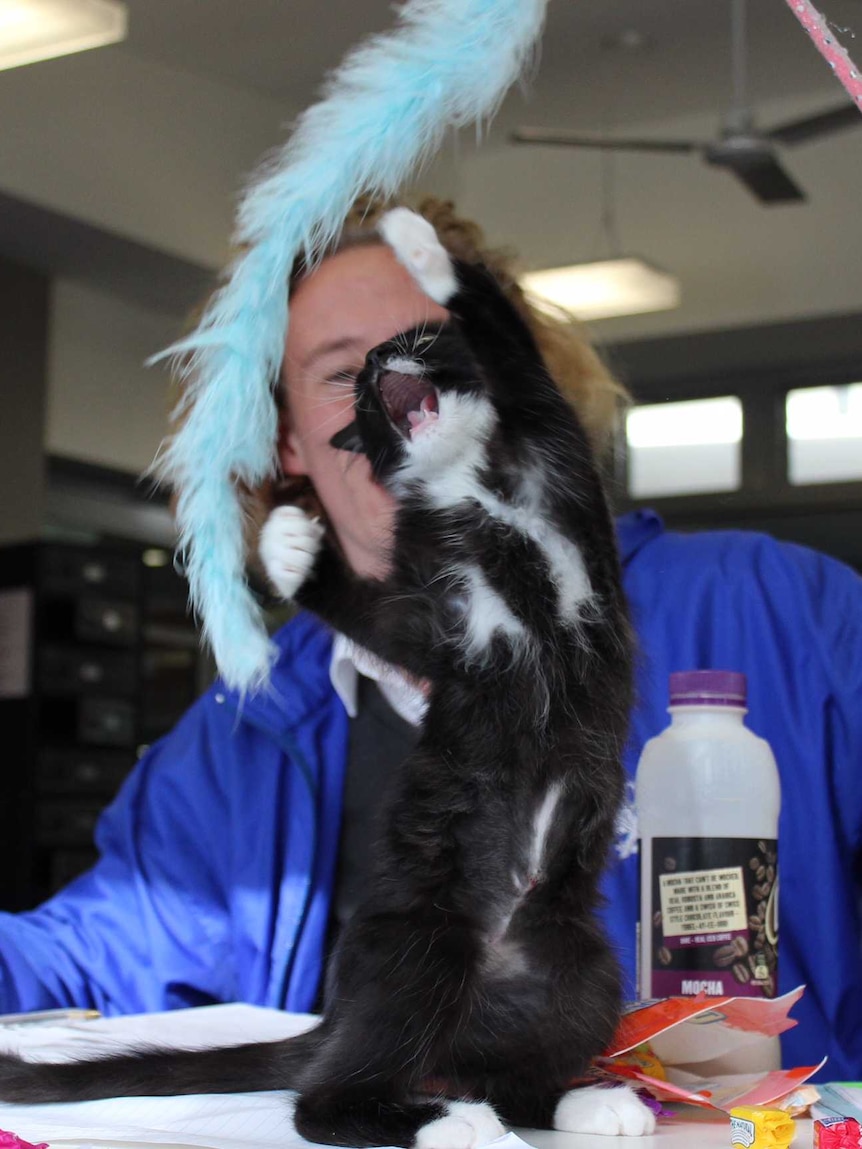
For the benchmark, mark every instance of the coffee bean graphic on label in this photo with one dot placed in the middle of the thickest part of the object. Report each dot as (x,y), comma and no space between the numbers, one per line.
(725,956)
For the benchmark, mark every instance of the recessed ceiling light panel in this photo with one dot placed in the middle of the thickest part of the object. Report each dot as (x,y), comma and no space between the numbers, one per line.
(32,30)
(606,288)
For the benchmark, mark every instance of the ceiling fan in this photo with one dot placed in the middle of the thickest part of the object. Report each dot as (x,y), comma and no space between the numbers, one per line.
(747,153)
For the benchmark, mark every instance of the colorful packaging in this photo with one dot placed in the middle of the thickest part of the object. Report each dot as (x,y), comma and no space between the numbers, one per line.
(755,1128)
(13,1141)
(837,1133)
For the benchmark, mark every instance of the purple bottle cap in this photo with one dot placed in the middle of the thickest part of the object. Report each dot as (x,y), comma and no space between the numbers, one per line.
(708,688)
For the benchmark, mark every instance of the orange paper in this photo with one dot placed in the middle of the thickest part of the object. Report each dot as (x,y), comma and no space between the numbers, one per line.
(710,1022)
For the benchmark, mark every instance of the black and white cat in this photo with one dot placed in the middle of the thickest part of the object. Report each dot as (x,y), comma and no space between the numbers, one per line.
(474,984)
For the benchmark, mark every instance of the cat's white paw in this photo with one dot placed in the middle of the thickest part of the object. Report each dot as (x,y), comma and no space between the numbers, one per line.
(466,1125)
(612,1110)
(288,546)
(415,244)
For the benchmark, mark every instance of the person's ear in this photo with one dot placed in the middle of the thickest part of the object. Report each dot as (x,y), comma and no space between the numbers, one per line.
(290,452)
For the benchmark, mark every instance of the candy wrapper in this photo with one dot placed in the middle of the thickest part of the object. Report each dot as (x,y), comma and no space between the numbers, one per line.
(13,1141)
(671,1048)
(799,1102)
(837,1133)
(755,1128)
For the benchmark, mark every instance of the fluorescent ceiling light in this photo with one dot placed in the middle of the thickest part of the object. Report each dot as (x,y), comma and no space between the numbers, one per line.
(604,289)
(33,30)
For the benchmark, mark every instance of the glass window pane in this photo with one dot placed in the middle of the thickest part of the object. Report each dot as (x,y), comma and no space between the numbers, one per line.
(824,434)
(685,448)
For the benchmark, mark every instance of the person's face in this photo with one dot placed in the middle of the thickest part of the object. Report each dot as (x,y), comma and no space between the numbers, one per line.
(353,301)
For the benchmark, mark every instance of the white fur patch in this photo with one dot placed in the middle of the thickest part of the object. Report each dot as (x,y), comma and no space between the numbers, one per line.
(565,561)
(466,1125)
(289,542)
(487,614)
(415,244)
(542,823)
(613,1111)
(523,880)
(405,366)
(450,451)
(451,476)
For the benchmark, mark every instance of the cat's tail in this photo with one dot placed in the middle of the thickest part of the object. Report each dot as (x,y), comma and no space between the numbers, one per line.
(160,1072)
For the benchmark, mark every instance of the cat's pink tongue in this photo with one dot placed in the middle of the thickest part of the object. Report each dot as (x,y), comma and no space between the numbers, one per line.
(426,414)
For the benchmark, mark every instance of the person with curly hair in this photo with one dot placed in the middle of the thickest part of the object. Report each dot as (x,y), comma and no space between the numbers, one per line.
(237,848)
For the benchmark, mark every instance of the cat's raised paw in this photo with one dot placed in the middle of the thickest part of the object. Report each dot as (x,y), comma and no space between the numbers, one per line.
(466,1125)
(415,244)
(612,1110)
(289,542)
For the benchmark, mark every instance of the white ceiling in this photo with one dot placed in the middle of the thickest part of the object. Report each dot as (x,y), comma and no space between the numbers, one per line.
(282,48)
(167,125)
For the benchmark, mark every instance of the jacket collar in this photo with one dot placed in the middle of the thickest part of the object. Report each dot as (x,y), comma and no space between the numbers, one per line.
(299,682)
(635,530)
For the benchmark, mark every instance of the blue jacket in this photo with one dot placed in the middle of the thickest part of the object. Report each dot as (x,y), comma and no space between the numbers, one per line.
(217,857)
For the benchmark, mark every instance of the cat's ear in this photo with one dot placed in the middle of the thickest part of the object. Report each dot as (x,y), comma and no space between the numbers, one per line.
(348,439)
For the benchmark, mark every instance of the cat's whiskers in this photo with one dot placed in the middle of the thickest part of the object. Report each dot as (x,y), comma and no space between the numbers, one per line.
(424,334)
(331,420)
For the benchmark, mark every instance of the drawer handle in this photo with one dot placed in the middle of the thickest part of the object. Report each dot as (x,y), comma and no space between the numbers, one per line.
(112,620)
(90,672)
(93,572)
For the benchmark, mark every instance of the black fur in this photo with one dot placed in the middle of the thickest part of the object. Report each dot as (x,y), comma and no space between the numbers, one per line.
(447,973)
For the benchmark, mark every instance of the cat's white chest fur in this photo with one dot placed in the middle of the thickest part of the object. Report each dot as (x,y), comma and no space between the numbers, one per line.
(528,873)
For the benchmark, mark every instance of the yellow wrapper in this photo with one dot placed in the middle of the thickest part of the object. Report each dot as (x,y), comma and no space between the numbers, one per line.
(760,1128)
(643,1059)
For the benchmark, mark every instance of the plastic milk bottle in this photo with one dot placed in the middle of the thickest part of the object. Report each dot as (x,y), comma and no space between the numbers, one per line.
(707,796)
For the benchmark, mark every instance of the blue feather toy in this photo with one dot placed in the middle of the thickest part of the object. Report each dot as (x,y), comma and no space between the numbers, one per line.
(383,112)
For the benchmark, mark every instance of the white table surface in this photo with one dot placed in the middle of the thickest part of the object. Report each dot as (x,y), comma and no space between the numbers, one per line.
(687,1130)
(681,1133)
(230,1122)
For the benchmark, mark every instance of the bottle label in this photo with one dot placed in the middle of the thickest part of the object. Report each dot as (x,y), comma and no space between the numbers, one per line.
(714,917)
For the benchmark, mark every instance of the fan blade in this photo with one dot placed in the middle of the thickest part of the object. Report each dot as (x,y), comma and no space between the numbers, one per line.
(813,127)
(759,170)
(562,138)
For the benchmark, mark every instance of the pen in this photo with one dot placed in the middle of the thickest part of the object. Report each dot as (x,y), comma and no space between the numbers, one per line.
(47,1016)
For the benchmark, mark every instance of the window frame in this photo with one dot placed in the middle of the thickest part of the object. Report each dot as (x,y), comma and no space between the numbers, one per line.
(765,484)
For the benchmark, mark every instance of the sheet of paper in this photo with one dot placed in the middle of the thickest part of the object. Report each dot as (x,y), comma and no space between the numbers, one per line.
(214,1121)
(225,1121)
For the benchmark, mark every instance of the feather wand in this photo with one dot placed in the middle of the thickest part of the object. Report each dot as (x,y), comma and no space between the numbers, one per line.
(383,112)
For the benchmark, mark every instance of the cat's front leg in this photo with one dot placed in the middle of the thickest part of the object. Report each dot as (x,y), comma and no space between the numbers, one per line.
(416,245)
(289,544)
(303,566)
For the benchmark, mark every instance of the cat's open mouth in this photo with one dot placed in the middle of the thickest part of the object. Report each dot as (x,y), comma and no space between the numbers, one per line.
(410,401)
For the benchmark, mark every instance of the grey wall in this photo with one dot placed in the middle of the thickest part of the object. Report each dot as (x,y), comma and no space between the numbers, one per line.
(24,306)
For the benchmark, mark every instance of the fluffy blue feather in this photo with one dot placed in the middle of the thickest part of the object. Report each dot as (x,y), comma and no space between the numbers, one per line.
(383,112)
